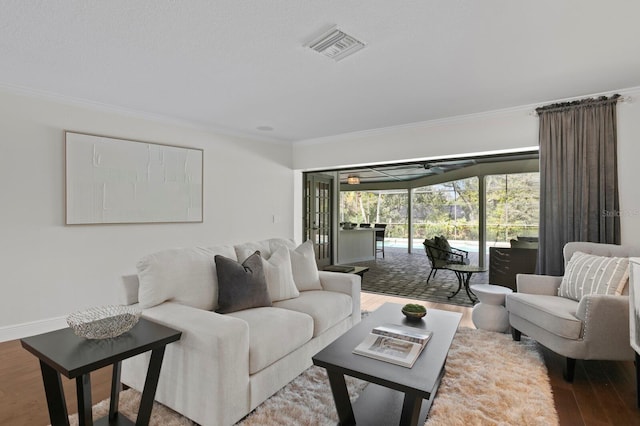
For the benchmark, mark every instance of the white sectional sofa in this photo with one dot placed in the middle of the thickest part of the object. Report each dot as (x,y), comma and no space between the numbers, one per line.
(225,365)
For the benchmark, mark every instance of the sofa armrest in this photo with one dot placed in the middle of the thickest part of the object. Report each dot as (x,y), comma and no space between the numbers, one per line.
(210,362)
(348,284)
(205,330)
(538,284)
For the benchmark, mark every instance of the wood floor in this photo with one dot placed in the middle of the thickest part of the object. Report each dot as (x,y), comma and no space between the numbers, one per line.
(603,393)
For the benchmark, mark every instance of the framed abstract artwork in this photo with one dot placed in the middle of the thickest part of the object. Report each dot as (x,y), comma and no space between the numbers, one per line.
(112,180)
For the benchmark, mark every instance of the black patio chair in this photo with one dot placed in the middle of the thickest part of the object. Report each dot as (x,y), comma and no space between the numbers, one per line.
(440,254)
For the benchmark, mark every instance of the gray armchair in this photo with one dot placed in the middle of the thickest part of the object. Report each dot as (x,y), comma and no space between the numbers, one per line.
(595,327)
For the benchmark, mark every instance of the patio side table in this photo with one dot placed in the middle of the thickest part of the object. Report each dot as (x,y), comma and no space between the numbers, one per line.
(464,272)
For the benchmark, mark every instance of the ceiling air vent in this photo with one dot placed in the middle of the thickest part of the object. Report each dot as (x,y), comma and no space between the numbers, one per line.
(336,44)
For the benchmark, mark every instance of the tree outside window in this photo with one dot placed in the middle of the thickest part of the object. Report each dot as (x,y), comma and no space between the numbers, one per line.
(451,209)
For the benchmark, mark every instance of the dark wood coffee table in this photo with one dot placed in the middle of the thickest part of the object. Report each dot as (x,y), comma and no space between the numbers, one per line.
(395,394)
(61,351)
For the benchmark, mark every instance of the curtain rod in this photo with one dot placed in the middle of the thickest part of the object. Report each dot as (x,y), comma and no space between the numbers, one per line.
(627,99)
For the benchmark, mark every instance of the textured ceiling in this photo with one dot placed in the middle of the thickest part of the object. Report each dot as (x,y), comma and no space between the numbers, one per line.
(237,65)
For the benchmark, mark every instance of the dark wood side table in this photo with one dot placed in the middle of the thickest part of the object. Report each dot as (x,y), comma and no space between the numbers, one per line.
(348,269)
(62,352)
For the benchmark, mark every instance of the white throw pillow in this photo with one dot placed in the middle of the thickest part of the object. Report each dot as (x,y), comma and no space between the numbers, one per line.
(590,274)
(279,275)
(243,251)
(183,275)
(305,268)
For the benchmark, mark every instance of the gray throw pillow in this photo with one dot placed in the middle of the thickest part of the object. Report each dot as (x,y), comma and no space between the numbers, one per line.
(241,285)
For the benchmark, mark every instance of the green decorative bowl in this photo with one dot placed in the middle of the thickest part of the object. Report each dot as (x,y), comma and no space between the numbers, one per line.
(414,311)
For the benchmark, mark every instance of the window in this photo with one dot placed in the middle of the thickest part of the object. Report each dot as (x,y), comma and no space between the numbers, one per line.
(373,207)
(449,209)
(513,206)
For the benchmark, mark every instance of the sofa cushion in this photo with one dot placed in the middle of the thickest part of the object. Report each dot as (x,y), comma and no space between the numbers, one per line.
(184,275)
(591,274)
(241,285)
(305,268)
(274,333)
(130,287)
(247,249)
(279,275)
(265,247)
(327,308)
(552,313)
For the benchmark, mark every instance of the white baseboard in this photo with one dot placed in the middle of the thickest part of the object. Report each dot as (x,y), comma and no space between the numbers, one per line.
(18,331)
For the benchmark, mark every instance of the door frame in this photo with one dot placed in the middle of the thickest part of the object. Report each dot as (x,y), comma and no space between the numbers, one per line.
(329,178)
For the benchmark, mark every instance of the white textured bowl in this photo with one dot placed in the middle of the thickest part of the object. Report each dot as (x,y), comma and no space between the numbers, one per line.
(103,322)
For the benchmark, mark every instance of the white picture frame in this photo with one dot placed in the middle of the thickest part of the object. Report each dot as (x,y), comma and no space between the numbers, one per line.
(112,180)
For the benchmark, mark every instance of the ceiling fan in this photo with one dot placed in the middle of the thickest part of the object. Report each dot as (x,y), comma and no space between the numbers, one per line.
(446,166)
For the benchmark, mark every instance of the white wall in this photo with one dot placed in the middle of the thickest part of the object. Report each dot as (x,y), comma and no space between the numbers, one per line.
(49,270)
(513,129)
(629,167)
(449,137)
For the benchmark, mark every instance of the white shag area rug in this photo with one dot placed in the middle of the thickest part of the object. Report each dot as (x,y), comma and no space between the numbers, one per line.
(489,380)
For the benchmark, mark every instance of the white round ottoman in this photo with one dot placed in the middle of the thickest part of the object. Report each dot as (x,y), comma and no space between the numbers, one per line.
(490,314)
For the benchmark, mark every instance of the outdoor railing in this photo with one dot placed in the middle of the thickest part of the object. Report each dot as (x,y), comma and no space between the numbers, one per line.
(496,233)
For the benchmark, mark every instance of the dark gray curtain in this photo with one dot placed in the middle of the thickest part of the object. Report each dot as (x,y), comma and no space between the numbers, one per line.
(578,178)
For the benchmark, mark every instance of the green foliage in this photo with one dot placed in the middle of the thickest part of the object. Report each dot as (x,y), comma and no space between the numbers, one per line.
(414,307)
(451,209)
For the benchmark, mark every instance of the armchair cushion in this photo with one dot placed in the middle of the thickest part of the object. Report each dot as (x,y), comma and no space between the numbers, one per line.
(442,243)
(590,274)
(552,313)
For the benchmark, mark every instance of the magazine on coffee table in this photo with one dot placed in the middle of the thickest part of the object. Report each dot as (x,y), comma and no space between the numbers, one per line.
(395,344)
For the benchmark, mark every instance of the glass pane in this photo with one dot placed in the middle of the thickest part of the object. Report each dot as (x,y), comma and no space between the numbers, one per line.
(388,207)
(449,209)
(513,206)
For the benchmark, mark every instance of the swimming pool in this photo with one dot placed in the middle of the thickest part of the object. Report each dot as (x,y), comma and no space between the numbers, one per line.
(470,246)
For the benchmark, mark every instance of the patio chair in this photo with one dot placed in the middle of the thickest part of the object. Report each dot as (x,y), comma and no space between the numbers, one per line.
(440,254)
